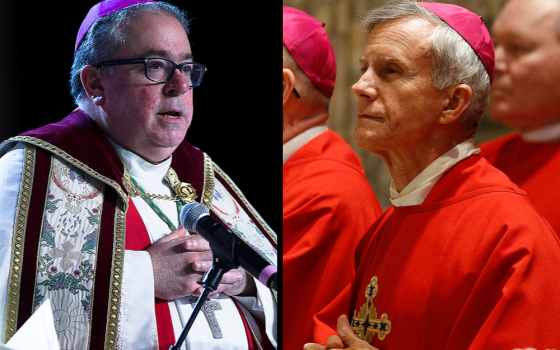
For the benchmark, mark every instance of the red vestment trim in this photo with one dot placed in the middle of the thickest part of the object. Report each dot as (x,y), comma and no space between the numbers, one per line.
(33,236)
(246,325)
(102,162)
(137,238)
(33,239)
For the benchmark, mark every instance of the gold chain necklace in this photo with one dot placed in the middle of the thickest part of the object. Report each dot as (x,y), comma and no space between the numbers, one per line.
(133,190)
(185,193)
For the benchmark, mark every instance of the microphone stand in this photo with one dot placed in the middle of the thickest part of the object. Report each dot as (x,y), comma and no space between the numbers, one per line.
(223,254)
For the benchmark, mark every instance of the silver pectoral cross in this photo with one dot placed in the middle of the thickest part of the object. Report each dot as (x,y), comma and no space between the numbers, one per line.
(208,309)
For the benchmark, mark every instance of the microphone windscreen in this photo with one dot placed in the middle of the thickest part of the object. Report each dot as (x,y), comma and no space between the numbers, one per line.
(191,213)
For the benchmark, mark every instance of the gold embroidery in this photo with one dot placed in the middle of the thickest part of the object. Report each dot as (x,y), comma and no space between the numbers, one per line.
(38,254)
(209,178)
(60,176)
(208,189)
(116,277)
(366,324)
(185,193)
(96,249)
(268,230)
(57,151)
(134,191)
(184,190)
(71,323)
(18,239)
(19,234)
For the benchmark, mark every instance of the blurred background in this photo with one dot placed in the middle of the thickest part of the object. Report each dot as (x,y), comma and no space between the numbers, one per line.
(343,25)
(37,44)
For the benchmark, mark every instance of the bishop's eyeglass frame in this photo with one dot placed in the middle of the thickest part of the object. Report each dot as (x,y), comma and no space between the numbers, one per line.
(198,68)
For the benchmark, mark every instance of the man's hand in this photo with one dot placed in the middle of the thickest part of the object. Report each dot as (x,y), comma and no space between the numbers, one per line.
(234,282)
(172,261)
(344,338)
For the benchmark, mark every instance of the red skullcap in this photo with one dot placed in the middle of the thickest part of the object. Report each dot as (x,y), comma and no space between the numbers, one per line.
(470,26)
(310,47)
(100,10)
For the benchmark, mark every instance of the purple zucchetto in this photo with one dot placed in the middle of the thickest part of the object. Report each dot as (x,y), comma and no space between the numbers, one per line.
(100,10)
(470,27)
(309,45)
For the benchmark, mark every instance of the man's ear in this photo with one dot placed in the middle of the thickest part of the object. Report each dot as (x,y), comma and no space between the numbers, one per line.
(91,80)
(458,100)
(288,83)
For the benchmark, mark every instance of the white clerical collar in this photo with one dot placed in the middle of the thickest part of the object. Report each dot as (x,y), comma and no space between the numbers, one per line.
(297,142)
(418,189)
(545,134)
(140,168)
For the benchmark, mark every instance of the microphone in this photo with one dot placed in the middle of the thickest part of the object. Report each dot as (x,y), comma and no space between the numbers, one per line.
(196,218)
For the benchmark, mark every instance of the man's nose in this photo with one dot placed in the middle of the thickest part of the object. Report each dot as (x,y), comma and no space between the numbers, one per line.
(366,86)
(177,84)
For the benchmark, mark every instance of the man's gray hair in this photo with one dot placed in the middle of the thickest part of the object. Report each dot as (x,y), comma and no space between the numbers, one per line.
(106,36)
(454,60)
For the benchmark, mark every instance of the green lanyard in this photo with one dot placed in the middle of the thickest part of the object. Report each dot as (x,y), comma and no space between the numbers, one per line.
(154,206)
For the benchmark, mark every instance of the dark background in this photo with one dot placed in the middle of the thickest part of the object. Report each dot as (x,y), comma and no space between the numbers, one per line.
(232,119)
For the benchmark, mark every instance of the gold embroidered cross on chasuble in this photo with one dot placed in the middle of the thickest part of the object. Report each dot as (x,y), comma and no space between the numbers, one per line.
(366,324)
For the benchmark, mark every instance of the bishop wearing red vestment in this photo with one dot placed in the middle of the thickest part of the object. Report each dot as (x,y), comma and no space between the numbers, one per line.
(525,96)
(328,204)
(462,260)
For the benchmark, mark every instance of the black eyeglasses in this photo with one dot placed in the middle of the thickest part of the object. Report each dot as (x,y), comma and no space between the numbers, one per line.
(160,70)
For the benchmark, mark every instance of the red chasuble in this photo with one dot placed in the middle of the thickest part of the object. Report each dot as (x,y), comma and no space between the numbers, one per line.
(533,166)
(473,267)
(328,206)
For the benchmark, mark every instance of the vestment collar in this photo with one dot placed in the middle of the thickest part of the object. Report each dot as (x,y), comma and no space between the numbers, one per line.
(300,140)
(139,167)
(93,153)
(418,189)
